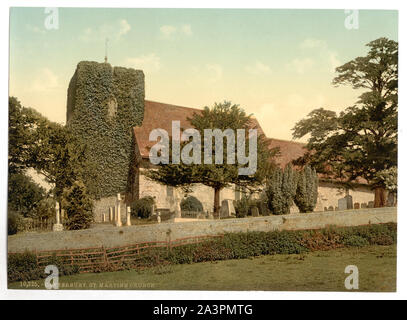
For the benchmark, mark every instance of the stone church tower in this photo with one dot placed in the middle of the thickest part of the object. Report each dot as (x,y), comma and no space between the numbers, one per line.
(104,104)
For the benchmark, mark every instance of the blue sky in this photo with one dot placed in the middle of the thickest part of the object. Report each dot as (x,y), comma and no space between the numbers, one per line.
(277,64)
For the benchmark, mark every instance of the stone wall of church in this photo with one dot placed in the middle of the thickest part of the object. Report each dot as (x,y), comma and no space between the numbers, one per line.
(330,193)
(165,195)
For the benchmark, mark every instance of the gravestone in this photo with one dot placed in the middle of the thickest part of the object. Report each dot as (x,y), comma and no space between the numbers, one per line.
(158,217)
(128,217)
(349,201)
(227,209)
(110,214)
(331,208)
(345,203)
(370,204)
(254,211)
(342,204)
(325,209)
(118,212)
(363,205)
(357,205)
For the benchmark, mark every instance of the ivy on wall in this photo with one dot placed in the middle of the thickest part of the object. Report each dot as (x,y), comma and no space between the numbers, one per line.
(104,104)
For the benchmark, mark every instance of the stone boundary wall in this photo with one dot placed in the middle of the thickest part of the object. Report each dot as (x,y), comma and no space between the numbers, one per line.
(110,236)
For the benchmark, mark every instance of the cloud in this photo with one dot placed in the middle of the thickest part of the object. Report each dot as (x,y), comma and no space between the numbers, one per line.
(301,65)
(186,28)
(149,63)
(216,72)
(258,68)
(45,80)
(113,31)
(169,31)
(312,43)
(124,27)
(327,56)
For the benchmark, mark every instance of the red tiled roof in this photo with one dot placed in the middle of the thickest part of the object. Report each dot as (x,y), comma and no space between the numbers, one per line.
(289,150)
(160,116)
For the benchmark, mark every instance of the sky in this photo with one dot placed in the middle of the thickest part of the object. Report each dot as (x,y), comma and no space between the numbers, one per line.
(276,64)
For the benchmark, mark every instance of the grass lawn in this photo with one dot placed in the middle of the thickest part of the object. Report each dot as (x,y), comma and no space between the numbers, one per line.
(316,271)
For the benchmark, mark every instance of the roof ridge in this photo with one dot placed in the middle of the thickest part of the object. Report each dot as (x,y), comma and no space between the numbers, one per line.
(291,141)
(173,105)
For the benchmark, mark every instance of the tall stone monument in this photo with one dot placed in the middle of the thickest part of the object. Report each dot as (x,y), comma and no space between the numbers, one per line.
(58,225)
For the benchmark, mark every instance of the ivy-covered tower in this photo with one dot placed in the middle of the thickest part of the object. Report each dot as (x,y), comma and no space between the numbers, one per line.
(104,104)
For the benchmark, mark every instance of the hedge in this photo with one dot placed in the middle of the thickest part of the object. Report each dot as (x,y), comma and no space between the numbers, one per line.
(24,267)
(238,246)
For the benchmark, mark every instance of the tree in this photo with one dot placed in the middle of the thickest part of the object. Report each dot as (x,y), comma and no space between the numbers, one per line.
(22,126)
(48,147)
(307,189)
(362,140)
(280,190)
(78,206)
(24,195)
(218,176)
(61,157)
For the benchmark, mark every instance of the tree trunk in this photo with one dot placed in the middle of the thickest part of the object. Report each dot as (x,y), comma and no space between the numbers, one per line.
(380,197)
(216,203)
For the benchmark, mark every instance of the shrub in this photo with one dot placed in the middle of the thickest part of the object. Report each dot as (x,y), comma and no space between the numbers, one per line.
(307,190)
(355,241)
(23,193)
(280,190)
(24,267)
(242,207)
(191,203)
(78,206)
(14,223)
(142,207)
(45,209)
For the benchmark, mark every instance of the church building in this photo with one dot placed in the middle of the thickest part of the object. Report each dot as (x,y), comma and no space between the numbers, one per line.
(107,108)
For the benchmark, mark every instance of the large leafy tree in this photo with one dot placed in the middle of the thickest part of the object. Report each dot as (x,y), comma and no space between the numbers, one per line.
(48,147)
(362,140)
(218,176)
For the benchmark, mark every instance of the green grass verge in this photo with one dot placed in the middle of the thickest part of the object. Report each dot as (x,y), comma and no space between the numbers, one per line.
(313,271)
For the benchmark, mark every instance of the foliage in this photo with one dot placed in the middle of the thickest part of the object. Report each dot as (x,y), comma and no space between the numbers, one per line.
(24,267)
(307,189)
(242,206)
(388,178)
(48,147)
(280,190)
(355,241)
(191,203)
(240,245)
(250,244)
(14,222)
(104,104)
(218,176)
(78,206)
(142,207)
(45,209)
(362,140)
(23,194)
(22,125)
